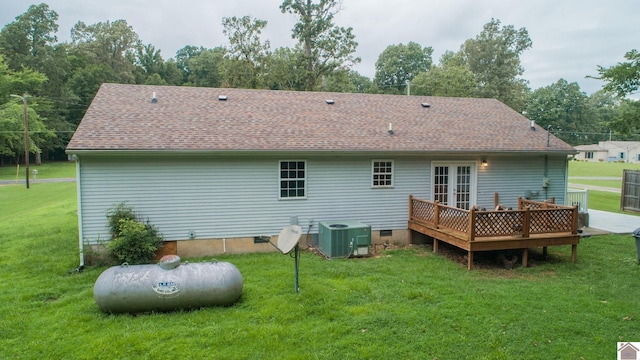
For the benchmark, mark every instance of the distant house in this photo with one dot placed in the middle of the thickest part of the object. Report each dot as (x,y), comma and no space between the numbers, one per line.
(215,169)
(622,151)
(591,153)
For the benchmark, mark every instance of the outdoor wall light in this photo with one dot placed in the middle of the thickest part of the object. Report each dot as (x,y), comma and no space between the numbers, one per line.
(484,163)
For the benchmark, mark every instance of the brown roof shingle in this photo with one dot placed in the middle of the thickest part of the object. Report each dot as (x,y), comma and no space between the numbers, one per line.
(123,117)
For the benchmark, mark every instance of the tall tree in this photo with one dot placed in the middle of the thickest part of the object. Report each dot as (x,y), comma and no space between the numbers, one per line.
(286,70)
(494,58)
(182,59)
(326,46)
(30,43)
(566,108)
(624,77)
(109,43)
(246,52)
(12,113)
(401,63)
(206,68)
(29,37)
(450,78)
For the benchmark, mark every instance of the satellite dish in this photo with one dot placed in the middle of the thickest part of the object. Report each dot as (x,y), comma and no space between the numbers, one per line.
(288,238)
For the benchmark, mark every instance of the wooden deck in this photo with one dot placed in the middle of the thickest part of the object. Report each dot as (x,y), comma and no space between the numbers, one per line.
(533,224)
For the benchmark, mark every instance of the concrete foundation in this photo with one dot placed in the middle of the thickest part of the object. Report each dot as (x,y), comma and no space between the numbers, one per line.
(243,245)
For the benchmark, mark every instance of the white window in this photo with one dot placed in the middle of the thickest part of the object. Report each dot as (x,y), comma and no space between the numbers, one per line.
(382,173)
(588,155)
(293,179)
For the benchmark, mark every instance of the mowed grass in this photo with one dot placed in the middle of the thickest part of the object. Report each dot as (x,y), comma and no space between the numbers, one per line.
(595,169)
(48,170)
(588,173)
(401,304)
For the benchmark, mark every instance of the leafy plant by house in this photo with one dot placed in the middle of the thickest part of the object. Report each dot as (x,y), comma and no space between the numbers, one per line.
(132,240)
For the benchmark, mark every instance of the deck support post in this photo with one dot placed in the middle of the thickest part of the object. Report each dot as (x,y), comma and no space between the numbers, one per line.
(574,252)
(469,260)
(545,252)
(525,257)
(435,245)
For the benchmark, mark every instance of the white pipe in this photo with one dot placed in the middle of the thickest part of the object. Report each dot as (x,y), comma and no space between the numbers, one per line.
(79,190)
(224,245)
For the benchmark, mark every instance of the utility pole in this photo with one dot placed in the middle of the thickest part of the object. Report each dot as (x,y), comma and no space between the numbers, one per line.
(26,136)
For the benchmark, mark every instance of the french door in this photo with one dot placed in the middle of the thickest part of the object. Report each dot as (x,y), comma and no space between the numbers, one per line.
(454,184)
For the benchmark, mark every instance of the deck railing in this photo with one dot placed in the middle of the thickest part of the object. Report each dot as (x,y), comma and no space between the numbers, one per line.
(579,198)
(532,217)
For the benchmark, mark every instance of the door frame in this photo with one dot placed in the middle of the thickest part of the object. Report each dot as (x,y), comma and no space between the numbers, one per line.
(453,165)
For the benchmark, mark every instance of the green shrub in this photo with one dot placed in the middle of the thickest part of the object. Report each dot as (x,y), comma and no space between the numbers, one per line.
(122,211)
(132,241)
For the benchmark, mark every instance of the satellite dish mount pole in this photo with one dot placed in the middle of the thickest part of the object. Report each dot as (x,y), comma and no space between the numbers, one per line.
(296,255)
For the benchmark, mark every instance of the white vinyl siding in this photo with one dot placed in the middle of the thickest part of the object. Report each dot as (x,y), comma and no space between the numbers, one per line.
(239,197)
(515,176)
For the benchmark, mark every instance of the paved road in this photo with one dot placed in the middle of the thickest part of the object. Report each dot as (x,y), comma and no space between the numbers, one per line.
(593,187)
(595,178)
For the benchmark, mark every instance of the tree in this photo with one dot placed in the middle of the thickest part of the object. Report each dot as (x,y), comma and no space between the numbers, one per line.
(246,53)
(566,108)
(401,63)
(326,47)
(622,78)
(114,44)
(12,112)
(205,69)
(286,70)
(182,59)
(450,78)
(29,37)
(494,58)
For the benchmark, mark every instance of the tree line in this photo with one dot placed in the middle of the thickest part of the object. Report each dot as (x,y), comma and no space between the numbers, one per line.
(60,79)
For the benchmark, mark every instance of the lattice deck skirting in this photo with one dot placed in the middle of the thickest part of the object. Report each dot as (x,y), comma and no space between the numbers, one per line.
(534,224)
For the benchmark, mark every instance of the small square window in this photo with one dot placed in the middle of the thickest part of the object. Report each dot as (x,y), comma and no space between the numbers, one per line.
(382,173)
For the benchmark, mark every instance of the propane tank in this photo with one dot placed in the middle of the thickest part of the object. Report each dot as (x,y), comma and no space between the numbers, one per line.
(168,285)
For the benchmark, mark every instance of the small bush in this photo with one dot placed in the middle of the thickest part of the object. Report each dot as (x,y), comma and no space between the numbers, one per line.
(132,241)
(122,211)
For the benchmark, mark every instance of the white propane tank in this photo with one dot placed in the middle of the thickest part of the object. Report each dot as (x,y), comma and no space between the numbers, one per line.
(168,285)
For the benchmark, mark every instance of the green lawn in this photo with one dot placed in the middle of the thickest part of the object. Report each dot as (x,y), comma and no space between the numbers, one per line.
(594,169)
(401,304)
(48,170)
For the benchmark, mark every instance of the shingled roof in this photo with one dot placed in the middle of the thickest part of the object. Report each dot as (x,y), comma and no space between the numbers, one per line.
(124,118)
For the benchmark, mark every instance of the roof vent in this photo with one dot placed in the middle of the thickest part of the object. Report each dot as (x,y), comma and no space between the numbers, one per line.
(154,98)
(222,97)
(330,102)
(425,105)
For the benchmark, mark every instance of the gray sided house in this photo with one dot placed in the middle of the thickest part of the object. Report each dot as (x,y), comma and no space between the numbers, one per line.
(214,169)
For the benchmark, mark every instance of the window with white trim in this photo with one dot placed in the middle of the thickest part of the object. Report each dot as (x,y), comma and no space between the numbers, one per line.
(382,173)
(588,155)
(293,179)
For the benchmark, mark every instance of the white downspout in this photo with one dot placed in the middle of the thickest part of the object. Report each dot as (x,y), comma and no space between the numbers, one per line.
(79,195)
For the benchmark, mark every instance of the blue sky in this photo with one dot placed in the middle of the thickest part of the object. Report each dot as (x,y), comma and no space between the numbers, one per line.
(570,37)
